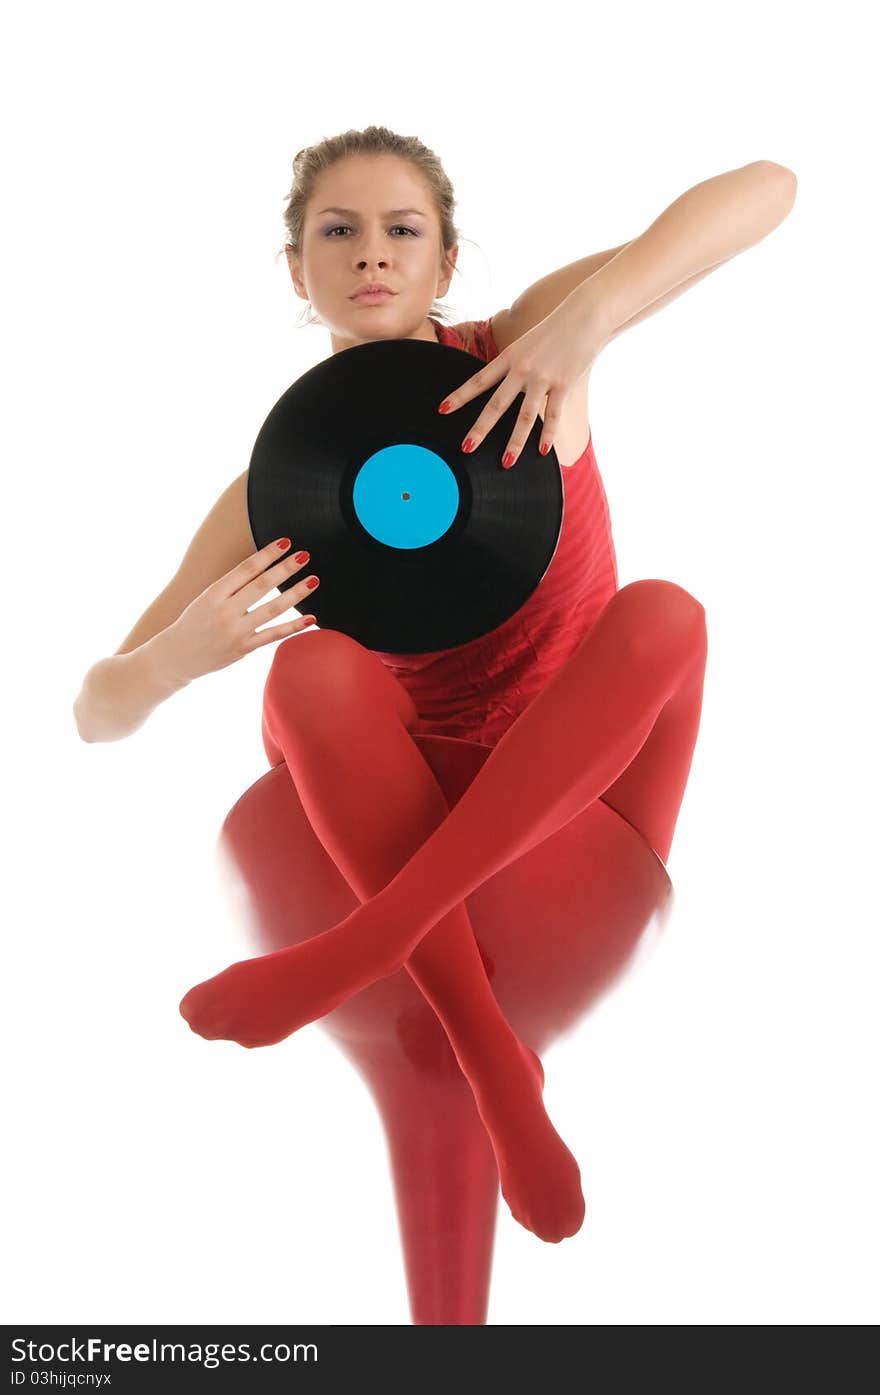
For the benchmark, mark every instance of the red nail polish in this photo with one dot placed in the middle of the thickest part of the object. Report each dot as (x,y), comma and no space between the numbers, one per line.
(283,543)
(468,446)
(311,582)
(508,460)
(445,407)
(301,557)
(545,446)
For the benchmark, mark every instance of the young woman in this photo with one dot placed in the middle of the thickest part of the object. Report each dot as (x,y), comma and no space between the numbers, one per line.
(588,691)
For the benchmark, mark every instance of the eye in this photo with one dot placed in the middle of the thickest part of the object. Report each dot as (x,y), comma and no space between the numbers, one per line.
(339,227)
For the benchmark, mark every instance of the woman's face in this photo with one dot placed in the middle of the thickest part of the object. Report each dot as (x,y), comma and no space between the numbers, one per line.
(372,241)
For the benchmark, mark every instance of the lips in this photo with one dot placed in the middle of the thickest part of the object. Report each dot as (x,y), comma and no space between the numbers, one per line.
(373,293)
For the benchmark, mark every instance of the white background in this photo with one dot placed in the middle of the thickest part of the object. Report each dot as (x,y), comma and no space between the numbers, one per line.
(721,1102)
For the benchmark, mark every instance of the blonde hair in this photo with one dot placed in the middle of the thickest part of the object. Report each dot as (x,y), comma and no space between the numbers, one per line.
(311,161)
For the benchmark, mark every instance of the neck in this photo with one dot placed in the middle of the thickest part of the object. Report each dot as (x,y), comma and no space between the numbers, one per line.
(427,330)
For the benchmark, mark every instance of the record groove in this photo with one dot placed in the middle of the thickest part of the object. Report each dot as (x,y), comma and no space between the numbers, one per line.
(419,547)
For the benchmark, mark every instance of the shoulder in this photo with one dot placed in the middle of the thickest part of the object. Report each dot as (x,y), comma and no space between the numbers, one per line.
(501,329)
(485,338)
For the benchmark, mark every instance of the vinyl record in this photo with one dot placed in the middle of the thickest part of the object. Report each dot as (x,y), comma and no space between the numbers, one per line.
(419,547)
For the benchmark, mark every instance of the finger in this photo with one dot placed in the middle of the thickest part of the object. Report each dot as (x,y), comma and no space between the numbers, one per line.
(272,633)
(294,595)
(552,419)
(524,423)
(272,576)
(495,408)
(251,567)
(479,383)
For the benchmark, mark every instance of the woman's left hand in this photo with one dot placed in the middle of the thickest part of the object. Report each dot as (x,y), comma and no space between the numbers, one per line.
(544,363)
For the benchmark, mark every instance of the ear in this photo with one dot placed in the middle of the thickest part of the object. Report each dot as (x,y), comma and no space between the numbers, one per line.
(295,273)
(446,274)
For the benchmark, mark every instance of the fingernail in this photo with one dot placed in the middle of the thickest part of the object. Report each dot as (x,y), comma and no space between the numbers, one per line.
(445,407)
(308,620)
(283,543)
(545,446)
(311,582)
(469,445)
(301,557)
(508,460)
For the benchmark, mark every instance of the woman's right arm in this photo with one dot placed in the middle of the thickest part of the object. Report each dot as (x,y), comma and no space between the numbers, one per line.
(119,693)
(196,625)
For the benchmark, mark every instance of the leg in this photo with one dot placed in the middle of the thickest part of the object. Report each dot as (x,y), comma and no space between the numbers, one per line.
(574,741)
(649,792)
(343,726)
(619,720)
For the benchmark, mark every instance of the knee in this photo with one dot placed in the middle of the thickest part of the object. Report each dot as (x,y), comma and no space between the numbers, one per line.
(331,674)
(670,600)
(326,662)
(662,612)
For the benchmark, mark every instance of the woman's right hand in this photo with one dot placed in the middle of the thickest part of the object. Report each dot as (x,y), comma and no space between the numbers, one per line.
(218,627)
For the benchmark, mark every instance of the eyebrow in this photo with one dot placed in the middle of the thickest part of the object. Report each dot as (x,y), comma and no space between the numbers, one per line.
(391,213)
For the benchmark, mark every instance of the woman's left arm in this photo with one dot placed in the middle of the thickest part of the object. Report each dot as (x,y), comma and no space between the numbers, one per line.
(707,225)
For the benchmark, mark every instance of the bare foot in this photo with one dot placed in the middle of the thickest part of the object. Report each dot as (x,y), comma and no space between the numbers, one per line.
(540,1178)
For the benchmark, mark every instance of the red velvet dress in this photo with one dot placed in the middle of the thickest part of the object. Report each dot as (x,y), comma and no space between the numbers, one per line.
(477,690)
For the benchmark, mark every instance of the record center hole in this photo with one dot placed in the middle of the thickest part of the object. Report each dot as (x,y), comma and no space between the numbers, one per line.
(405,495)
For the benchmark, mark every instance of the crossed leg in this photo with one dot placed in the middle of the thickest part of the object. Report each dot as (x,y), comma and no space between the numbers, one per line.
(620,717)
(344,727)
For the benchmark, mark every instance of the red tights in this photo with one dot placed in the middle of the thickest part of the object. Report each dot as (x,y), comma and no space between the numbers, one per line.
(619,720)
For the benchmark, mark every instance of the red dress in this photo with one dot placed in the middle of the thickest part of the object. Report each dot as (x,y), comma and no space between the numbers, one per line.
(478,689)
